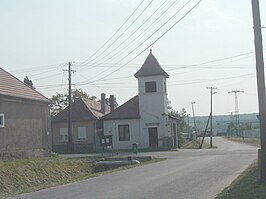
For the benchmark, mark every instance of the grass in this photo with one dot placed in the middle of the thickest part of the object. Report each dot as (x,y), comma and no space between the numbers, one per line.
(27,175)
(32,174)
(246,186)
(251,141)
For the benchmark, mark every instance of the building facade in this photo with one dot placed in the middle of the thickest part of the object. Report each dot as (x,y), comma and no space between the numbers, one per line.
(24,119)
(144,118)
(86,126)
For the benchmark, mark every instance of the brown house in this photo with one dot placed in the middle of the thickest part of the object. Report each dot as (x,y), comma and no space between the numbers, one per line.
(86,126)
(24,119)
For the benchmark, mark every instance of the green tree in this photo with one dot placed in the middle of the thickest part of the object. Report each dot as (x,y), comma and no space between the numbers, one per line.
(246,126)
(231,129)
(181,124)
(60,101)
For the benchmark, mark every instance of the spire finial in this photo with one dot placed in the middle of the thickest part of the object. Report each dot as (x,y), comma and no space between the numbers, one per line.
(150,47)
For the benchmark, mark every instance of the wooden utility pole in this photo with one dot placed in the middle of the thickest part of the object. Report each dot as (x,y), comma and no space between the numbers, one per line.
(260,87)
(70,143)
(211,134)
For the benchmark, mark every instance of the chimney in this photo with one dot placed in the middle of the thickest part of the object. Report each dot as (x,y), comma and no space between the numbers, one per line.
(112,102)
(103,103)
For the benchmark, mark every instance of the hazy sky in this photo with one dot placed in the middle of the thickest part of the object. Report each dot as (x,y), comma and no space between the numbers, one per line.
(106,41)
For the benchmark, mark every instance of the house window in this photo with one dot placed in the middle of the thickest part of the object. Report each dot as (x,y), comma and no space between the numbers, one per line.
(82,133)
(150,87)
(63,133)
(124,132)
(2,120)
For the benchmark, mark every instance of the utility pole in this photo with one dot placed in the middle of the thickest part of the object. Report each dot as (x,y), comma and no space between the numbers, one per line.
(70,143)
(260,87)
(195,126)
(212,93)
(237,110)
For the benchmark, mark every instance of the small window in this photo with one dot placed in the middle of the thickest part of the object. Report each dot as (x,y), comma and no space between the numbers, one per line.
(150,87)
(2,120)
(124,133)
(63,134)
(82,133)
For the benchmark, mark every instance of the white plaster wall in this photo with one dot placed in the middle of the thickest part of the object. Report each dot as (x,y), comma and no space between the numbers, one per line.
(153,108)
(111,128)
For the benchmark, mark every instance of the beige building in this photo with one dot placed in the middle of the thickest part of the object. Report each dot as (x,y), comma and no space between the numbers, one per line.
(86,126)
(24,119)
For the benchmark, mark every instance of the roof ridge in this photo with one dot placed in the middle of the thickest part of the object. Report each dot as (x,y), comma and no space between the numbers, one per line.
(124,111)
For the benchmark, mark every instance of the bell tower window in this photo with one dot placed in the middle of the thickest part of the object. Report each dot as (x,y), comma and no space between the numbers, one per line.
(150,87)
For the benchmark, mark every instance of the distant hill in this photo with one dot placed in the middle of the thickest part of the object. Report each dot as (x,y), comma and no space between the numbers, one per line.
(220,122)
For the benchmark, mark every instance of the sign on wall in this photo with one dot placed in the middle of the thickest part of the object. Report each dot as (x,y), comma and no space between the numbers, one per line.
(106,140)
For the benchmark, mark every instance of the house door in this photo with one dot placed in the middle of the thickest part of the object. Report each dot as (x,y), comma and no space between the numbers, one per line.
(153,137)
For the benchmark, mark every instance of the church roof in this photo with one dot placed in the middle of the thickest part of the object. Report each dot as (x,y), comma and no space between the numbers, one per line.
(128,110)
(151,67)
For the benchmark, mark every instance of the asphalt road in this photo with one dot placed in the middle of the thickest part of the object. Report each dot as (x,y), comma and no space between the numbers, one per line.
(186,174)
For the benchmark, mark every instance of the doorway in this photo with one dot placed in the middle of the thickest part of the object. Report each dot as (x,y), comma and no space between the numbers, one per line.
(153,137)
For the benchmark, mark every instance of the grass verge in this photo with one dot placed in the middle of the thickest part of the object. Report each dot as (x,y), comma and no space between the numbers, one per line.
(32,174)
(246,186)
(250,141)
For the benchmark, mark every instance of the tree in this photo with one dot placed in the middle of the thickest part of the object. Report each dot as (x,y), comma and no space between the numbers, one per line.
(60,101)
(181,124)
(246,126)
(231,129)
(107,101)
(79,93)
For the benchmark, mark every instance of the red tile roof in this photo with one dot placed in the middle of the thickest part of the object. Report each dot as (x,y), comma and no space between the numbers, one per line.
(128,110)
(82,110)
(151,67)
(11,86)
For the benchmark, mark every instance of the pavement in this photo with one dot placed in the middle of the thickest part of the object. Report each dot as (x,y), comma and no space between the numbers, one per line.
(186,174)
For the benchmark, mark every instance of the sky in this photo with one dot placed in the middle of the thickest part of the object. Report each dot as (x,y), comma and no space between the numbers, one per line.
(210,44)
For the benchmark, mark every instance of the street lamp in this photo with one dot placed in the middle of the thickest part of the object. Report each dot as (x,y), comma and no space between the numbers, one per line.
(212,93)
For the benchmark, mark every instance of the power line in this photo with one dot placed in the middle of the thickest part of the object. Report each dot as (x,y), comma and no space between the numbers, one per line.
(127,39)
(125,77)
(151,43)
(217,79)
(177,22)
(147,38)
(109,39)
(216,60)
(36,68)
(124,30)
